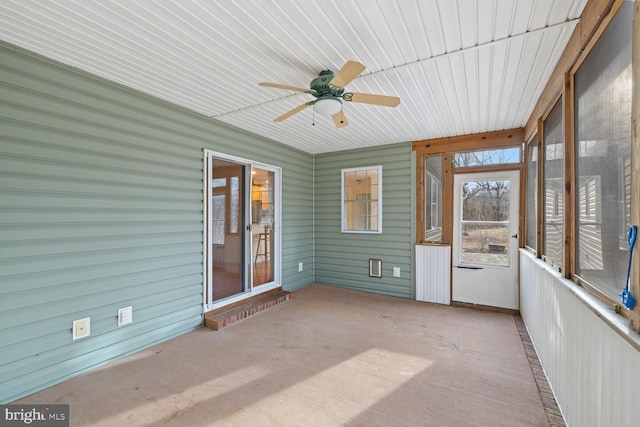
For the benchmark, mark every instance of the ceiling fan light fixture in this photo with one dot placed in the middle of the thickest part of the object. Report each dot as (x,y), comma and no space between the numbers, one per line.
(328,89)
(327,106)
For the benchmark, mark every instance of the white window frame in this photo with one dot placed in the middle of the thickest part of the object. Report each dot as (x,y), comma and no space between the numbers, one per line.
(378,201)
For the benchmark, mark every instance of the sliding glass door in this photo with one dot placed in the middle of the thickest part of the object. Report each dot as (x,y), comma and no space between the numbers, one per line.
(242,213)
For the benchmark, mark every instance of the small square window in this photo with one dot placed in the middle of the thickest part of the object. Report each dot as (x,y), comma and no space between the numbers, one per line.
(362,200)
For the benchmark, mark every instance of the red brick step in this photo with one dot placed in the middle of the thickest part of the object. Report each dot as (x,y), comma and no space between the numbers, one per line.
(226,316)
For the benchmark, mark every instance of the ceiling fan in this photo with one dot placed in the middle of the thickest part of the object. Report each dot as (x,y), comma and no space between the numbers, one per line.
(328,88)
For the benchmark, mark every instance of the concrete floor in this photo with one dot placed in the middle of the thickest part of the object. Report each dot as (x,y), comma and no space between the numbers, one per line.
(327,357)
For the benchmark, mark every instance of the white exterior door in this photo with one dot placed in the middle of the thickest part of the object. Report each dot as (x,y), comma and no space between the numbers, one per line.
(485,239)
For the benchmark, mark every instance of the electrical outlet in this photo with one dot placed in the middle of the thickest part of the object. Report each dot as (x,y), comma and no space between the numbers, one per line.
(300,266)
(396,271)
(125,316)
(81,328)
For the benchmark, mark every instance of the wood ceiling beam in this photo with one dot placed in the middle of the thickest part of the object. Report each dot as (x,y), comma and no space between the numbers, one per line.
(478,141)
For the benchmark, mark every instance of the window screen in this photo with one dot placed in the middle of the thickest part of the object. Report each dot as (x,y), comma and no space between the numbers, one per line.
(603,166)
(553,247)
(532,194)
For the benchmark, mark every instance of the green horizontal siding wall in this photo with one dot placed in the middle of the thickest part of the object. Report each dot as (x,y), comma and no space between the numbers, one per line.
(101,208)
(342,259)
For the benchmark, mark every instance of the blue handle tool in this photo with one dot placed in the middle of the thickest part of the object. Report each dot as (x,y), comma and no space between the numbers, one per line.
(627,299)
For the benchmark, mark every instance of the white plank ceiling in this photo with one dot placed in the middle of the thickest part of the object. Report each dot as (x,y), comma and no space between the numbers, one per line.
(459,66)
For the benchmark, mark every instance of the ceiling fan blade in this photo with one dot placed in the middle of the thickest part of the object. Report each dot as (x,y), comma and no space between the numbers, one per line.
(369,98)
(291,113)
(348,72)
(281,86)
(340,119)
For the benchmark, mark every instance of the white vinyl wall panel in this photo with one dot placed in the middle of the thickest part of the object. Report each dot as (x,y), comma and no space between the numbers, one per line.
(433,274)
(593,371)
(342,259)
(101,208)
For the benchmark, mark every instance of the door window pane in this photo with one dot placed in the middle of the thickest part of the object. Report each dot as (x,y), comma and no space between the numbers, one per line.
(485,222)
(603,148)
(217,219)
(218,211)
(235,204)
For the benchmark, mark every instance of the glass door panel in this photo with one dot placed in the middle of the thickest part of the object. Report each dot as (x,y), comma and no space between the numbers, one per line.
(227,248)
(485,222)
(262,225)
